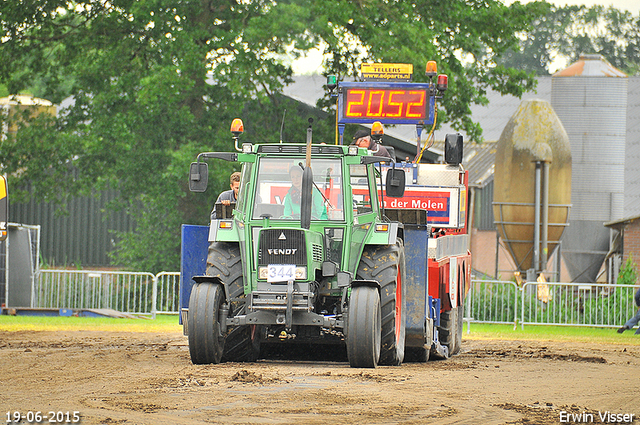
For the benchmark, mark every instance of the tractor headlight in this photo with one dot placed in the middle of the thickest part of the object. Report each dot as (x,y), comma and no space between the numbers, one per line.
(301,273)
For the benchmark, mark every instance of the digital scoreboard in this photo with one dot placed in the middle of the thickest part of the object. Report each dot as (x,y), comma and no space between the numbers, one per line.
(387,102)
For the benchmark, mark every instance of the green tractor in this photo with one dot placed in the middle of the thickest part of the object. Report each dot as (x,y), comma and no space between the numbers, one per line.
(325,247)
(304,256)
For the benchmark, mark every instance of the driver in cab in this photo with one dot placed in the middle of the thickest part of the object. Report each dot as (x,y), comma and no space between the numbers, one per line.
(292,198)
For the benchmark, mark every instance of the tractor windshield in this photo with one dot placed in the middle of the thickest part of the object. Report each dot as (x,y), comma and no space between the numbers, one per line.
(278,189)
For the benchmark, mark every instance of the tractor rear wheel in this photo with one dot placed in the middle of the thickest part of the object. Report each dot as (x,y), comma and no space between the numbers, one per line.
(364,327)
(386,265)
(242,342)
(206,341)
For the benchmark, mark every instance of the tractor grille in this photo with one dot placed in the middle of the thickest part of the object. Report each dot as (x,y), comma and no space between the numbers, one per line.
(317,253)
(282,246)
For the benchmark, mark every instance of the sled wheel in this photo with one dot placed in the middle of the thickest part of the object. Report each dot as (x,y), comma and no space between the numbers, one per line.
(364,327)
(448,331)
(417,354)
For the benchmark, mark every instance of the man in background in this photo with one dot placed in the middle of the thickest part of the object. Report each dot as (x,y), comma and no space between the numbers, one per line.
(635,319)
(362,139)
(228,196)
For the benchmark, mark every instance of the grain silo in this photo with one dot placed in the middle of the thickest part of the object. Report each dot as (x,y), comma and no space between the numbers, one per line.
(590,98)
(532,184)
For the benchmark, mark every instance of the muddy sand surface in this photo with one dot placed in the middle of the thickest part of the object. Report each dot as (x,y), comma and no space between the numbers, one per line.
(148,378)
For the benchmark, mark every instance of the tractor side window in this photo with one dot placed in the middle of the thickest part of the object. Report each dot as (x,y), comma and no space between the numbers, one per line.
(327,178)
(244,185)
(361,189)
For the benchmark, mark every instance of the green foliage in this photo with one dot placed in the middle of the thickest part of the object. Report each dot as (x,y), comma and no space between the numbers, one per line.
(585,306)
(566,32)
(465,38)
(629,273)
(495,302)
(578,305)
(154,82)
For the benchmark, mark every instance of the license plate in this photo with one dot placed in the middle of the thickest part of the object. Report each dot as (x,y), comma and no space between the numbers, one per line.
(281,272)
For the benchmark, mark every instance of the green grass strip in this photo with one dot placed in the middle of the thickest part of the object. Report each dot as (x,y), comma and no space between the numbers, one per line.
(169,323)
(162,323)
(551,333)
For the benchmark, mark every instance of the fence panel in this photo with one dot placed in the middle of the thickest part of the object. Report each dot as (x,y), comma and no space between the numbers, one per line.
(488,301)
(492,301)
(168,300)
(577,304)
(129,292)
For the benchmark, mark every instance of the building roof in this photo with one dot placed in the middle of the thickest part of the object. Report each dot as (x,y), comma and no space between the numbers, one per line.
(591,66)
(619,224)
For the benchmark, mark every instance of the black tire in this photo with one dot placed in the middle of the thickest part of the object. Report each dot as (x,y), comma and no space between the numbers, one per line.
(460,318)
(206,342)
(224,261)
(448,331)
(242,344)
(416,354)
(364,327)
(386,265)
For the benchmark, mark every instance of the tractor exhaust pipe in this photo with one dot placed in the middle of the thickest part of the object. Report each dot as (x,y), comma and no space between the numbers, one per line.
(306,198)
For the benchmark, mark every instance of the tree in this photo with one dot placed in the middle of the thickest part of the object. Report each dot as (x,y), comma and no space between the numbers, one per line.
(464,36)
(154,82)
(567,32)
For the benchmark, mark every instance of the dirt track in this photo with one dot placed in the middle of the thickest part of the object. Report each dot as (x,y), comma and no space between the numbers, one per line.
(144,378)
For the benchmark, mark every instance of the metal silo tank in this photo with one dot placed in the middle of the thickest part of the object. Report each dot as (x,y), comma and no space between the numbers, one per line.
(15,105)
(590,97)
(533,134)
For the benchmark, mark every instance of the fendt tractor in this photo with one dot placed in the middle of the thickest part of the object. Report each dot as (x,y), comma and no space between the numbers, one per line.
(330,244)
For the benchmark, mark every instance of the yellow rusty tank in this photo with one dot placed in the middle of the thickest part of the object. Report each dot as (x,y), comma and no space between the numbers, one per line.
(534,133)
(19,103)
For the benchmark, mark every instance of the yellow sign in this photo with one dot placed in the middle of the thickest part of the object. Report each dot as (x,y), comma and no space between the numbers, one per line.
(387,71)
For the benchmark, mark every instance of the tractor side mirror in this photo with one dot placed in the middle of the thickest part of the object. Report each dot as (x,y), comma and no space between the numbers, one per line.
(198,176)
(395,183)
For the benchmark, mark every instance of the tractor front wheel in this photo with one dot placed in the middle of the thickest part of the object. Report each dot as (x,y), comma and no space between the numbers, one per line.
(386,265)
(364,327)
(206,341)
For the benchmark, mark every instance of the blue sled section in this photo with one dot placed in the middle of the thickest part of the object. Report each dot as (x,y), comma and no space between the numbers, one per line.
(193,259)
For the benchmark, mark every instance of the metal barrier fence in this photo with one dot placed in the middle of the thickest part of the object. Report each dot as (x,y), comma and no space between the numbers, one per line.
(168,299)
(492,301)
(129,292)
(488,301)
(595,305)
(566,304)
